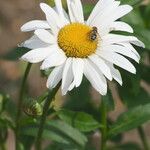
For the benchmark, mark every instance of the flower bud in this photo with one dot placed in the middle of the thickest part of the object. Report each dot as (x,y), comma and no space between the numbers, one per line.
(33,108)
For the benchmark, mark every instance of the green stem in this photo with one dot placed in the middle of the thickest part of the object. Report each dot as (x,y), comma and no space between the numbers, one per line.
(50,96)
(20,102)
(104,124)
(143,138)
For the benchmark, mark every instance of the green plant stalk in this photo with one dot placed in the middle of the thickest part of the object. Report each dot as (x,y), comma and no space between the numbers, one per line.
(50,96)
(143,138)
(20,102)
(104,124)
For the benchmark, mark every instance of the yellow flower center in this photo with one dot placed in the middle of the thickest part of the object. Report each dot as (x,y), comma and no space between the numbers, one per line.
(78,40)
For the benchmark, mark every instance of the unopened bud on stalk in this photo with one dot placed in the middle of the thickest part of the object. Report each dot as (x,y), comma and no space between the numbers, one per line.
(33,108)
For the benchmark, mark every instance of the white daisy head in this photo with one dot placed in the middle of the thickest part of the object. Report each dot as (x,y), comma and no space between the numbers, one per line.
(75,47)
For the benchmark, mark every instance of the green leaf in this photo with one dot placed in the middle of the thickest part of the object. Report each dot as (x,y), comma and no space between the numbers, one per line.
(80,120)
(15,54)
(130,119)
(68,131)
(47,134)
(57,131)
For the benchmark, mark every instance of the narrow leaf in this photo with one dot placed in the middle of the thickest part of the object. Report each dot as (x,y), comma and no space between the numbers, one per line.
(131,119)
(65,129)
(80,120)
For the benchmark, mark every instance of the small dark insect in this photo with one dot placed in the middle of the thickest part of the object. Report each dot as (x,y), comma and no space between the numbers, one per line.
(93,34)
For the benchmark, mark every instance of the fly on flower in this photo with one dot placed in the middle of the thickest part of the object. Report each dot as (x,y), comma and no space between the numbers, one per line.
(75,47)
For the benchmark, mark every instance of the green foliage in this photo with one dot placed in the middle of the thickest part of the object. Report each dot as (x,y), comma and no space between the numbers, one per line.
(66,129)
(80,120)
(58,131)
(131,119)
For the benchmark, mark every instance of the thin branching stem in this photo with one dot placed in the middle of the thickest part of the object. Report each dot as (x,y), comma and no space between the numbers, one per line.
(20,102)
(104,124)
(50,96)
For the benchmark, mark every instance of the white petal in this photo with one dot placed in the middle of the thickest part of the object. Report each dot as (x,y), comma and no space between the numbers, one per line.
(115,14)
(67,77)
(78,5)
(45,36)
(33,43)
(117,60)
(100,6)
(122,11)
(36,55)
(71,13)
(61,11)
(95,78)
(52,17)
(59,8)
(72,85)
(106,13)
(131,48)
(56,58)
(114,38)
(112,12)
(115,73)
(122,50)
(101,65)
(35,24)
(75,11)
(77,67)
(100,20)
(121,26)
(55,77)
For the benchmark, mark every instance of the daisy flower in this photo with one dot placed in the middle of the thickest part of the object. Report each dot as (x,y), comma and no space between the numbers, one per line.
(74,47)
